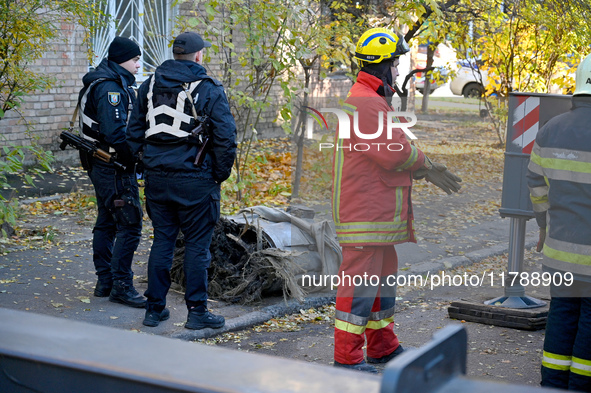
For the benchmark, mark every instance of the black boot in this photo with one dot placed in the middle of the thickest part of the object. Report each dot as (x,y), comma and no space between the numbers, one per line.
(368,368)
(201,320)
(387,358)
(126,294)
(103,288)
(153,317)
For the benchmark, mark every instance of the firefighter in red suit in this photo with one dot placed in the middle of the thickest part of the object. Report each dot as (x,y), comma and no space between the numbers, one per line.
(372,178)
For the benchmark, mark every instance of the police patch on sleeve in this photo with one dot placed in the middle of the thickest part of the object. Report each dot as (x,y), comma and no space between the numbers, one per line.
(114,98)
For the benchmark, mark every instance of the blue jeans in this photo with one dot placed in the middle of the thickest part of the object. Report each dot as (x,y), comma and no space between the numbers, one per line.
(178,201)
(115,239)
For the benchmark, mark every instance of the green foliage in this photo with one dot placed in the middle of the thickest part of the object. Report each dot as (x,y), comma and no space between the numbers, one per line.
(27,29)
(12,162)
(524,45)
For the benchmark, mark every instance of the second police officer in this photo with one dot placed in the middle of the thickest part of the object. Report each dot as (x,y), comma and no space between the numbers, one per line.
(181,195)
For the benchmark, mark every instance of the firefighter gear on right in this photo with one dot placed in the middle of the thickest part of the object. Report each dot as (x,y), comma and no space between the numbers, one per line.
(583,77)
(372,207)
(559,180)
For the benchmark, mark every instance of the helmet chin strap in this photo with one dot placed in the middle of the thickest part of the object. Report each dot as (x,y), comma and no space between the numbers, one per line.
(382,71)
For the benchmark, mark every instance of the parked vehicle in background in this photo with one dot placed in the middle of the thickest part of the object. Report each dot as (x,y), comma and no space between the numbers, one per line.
(438,77)
(466,82)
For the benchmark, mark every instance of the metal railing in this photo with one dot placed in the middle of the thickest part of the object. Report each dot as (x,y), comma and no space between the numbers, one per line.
(40,353)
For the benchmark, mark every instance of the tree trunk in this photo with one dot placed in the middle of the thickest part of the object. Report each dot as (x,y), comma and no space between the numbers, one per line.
(427,85)
(300,130)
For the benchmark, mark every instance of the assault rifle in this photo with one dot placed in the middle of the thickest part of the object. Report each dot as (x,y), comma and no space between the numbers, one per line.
(87,147)
(201,136)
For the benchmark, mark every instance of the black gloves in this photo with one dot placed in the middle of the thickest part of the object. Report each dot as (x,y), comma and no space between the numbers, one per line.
(125,157)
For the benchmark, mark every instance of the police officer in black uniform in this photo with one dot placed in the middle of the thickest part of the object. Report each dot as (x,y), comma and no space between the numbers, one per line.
(105,103)
(181,195)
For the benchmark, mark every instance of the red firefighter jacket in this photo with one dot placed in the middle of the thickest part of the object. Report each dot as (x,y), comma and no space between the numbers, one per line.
(372,178)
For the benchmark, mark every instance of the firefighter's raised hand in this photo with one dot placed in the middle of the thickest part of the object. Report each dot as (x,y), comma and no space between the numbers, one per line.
(443,178)
(440,176)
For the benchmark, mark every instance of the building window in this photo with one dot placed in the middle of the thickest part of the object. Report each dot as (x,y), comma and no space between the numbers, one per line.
(147,22)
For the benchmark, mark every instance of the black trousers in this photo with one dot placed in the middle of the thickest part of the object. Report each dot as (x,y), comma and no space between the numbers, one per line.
(115,235)
(177,201)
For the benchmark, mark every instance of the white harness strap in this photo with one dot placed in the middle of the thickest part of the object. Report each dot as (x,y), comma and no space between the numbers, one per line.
(84,119)
(88,121)
(177,114)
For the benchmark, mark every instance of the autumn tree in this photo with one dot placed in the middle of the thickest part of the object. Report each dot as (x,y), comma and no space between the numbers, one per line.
(27,28)
(252,40)
(523,45)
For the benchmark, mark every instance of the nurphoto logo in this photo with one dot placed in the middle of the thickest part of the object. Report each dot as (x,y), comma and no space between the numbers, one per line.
(394,120)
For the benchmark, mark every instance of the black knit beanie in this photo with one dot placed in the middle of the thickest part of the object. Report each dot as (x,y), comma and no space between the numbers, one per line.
(123,49)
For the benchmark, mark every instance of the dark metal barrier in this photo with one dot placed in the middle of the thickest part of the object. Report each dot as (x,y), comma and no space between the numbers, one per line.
(528,112)
(45,354)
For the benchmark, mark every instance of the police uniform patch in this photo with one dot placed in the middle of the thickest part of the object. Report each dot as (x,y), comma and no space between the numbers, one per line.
(114,98)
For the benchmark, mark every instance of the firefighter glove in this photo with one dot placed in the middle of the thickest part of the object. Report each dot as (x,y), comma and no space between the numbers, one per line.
(442,178)
(422,171)
(541,240)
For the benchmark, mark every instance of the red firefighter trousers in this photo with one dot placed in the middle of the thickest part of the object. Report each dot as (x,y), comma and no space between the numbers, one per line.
(365,304)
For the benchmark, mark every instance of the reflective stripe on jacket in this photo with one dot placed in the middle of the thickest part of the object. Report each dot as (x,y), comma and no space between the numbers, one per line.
(372,178)
(559,179)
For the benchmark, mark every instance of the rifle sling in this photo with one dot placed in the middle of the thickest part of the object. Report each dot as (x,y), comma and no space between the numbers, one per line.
(74,117)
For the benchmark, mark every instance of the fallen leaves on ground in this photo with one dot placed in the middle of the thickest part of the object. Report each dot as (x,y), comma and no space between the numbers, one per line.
(265,177)
(73,204)
(287,323)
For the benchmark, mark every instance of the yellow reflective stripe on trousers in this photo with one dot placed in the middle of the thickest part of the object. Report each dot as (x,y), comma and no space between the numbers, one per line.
(356,329)
(556,362)
(581,366)
(376,325)
(348,327)
(383,314)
